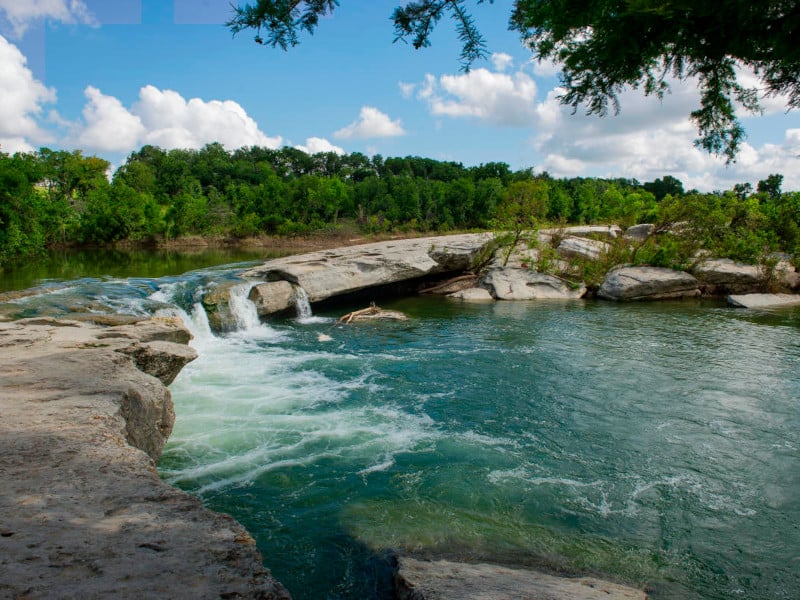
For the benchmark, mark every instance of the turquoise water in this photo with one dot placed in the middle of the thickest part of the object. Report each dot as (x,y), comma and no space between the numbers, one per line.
(653,444)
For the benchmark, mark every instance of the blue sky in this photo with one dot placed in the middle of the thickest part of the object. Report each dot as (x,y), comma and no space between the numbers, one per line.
(108,76)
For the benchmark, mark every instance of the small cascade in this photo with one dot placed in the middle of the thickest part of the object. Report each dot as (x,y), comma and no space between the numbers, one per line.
(243,311)
(245,315)
(198,323)
(302,304)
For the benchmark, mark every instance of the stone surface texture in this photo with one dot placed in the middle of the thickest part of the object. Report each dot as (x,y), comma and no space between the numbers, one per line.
(216,303)
(273,298)
(472,295)
(785,272)
(724,276)
(612,231)
(84,413)
(445,580)
(513,283)
(328,273)
(647,283)
(640,232)
(576,247)
(763,300)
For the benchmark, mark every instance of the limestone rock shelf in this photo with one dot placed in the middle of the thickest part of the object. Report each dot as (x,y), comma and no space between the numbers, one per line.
(329,273)
(84,413)
(445,580)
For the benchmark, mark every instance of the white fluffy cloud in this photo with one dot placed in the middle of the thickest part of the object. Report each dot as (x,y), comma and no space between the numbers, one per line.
(371,123)
(769,104)
(407,89)
(314,145)
(498,98)
(21,13)
(109,125)
(501,61)
(648,139)
(165,118)
(22,99)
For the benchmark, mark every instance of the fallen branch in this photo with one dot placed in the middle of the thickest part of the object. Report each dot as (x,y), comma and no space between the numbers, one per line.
(371,310)
(443,285)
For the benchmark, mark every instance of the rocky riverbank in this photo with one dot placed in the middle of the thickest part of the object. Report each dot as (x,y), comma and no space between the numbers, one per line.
(473,267)
(84,415)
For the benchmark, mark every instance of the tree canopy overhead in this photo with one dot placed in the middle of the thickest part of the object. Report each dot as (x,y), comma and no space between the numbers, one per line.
(604,46)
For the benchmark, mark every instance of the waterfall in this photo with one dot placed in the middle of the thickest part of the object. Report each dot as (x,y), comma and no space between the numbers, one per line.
(302,304)
(243,311)
(248,323)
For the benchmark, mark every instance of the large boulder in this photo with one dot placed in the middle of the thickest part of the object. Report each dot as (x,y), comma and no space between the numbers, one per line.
(446,580)
(785,273)
(472,295)
(273,298)
(723,276)
(522,255)
(639,232)
(330,273)
(647,283)
(162,360)
(511,283)
(763,300)
(576,247)
(612,231)
(85,514)
(217,304)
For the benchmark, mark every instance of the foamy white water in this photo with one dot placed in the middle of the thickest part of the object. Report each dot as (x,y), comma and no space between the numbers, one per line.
(519,427)
(305,315)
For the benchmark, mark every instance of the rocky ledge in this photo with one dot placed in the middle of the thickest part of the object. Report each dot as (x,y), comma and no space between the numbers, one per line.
(84,415)
(445,580)
(330,273)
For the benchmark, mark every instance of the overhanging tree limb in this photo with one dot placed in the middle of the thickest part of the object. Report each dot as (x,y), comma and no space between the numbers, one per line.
(606,46)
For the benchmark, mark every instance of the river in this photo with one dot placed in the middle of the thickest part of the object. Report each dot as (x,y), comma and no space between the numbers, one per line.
(654,444)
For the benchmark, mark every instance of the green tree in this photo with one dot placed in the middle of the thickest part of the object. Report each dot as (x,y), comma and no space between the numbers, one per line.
(771,186)
(520,212)
(21,231)
(607,45)
(663,186)
(488,193)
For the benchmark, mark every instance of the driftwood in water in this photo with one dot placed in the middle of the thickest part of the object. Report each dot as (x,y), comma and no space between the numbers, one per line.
(372,312)
(455,284)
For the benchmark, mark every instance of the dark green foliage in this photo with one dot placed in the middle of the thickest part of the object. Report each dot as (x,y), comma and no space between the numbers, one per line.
(612,44)
(55,198)
(281,19)
(771,186)
(667,185)
(520,212)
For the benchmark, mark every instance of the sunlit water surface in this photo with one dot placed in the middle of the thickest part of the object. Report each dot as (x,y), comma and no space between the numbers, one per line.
(653,444)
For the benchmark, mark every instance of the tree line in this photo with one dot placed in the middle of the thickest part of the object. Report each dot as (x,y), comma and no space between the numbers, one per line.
(60,198)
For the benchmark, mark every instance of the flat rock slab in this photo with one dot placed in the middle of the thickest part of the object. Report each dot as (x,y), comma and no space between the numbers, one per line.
(647,283)
(330,273)
(612,231)
(722,275)
(640,232)
(84,413)
(444,580)
(472,295)
(582,248)
(511,283)
(764,300)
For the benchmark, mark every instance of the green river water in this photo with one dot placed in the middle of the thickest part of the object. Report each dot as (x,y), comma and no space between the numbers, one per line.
(652,444)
